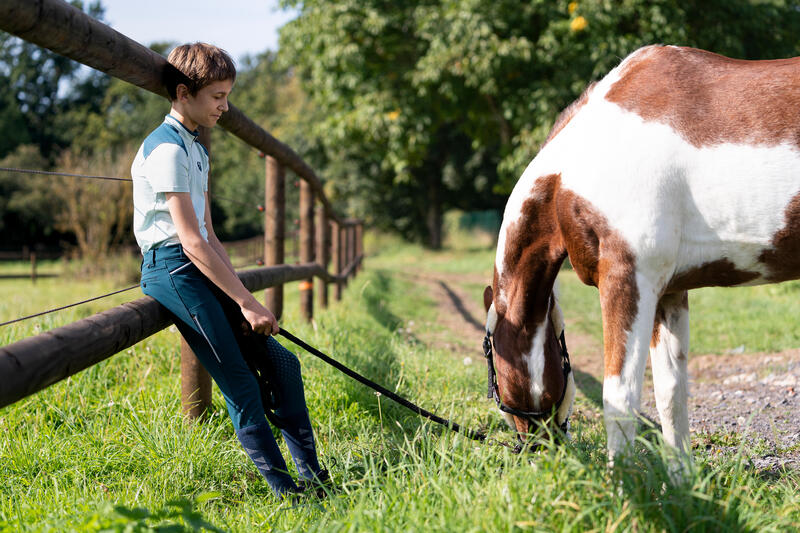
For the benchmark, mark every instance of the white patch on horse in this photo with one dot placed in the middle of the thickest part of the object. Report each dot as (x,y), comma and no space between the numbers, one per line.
(565,409)
(615,411)
(556,315)
(491,319)
(535,361)
(509,419)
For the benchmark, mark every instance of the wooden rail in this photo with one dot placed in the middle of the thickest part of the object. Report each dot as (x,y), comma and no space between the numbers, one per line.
(34,363)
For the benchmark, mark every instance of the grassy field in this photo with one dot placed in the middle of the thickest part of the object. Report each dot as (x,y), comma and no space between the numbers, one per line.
(107,449)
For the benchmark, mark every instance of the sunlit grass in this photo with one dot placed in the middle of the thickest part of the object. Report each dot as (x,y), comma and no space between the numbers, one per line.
(112,436)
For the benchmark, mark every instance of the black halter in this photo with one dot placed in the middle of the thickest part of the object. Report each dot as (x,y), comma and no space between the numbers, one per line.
(530,416)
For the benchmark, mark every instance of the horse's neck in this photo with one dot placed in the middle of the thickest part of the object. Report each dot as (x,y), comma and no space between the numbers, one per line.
(530,250)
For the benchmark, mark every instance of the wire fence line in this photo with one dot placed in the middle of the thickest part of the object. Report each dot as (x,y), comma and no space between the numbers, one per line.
(11,170)
(251,262)
(68,306)
(66,174)
(259,207)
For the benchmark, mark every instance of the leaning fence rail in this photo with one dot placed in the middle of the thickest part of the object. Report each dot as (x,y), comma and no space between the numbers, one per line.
(36,362)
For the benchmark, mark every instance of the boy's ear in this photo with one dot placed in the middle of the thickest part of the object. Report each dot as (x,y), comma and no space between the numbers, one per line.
(181,91)
(488,296)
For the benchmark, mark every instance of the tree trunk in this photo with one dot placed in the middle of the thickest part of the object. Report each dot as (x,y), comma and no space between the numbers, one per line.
(433,218)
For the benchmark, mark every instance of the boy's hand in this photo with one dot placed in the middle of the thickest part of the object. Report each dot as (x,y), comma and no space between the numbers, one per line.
(260,318)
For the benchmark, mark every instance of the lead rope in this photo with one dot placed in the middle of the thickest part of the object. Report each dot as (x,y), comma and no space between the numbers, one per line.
(474,435)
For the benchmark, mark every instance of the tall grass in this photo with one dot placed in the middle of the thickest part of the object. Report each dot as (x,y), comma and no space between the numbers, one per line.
(107,448)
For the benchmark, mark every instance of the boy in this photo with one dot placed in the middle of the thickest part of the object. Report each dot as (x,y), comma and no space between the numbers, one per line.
(186,269)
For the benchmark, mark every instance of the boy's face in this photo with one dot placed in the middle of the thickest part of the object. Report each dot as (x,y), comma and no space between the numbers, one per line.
(207,105)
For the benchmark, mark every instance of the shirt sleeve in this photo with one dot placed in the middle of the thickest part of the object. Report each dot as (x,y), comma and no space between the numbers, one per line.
(167,169)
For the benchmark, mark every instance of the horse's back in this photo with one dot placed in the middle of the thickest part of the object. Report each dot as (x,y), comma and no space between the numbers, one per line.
(694,159)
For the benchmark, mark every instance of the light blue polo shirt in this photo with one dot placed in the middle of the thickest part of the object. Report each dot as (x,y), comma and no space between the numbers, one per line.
(169,160)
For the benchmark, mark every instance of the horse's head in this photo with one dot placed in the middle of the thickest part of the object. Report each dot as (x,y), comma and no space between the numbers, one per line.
(534,381)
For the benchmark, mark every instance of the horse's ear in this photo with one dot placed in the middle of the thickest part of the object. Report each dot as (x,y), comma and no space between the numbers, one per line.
(488,296)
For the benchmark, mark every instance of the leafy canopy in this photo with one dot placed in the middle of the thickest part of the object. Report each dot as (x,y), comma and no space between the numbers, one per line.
(448,100)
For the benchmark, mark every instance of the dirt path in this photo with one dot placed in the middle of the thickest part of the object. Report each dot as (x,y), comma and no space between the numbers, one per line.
(752,395)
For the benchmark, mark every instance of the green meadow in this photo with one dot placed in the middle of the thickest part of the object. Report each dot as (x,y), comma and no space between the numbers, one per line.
(108,450)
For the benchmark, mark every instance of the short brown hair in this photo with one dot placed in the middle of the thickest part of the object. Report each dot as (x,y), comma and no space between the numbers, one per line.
(197,65)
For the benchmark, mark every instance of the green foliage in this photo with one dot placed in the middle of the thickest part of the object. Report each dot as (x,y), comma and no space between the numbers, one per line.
(271,96)
(433,104)
(24,202)
(46,99)
(33,100)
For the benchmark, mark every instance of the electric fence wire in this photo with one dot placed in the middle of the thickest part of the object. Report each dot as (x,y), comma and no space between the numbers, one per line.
(66,174)
(68,306)
(215,196)
(110,178)
(11,170)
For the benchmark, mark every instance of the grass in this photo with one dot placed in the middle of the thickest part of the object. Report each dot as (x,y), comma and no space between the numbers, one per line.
(107,449)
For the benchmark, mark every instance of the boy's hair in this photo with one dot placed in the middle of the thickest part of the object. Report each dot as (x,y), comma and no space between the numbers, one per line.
(197,65)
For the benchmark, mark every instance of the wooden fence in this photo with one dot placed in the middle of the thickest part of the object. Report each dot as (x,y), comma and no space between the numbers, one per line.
(34,363)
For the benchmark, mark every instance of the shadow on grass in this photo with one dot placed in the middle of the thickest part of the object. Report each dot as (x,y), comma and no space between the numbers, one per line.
(374,348)
(375,300)
(462,310)
(591,387)
(377,360)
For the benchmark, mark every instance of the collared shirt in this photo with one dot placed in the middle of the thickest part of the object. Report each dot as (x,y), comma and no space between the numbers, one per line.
(169,160)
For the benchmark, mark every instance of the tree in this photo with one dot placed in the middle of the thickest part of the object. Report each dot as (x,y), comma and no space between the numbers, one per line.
(97,212)
(26,202)
(40,87)
(431,104)
(46,99)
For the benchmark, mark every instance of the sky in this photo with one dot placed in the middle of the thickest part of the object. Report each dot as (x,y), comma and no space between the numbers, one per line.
(238,26)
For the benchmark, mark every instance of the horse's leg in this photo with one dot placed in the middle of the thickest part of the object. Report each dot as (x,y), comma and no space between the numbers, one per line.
(668,354)
(628,305)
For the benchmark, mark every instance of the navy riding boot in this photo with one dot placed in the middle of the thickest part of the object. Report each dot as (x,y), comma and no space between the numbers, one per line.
(260,445)
(299,437)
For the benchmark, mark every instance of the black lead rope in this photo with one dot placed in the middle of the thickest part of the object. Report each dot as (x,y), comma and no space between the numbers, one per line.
(474,435)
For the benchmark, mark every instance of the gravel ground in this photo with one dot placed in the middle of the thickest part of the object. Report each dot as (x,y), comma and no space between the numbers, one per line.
(749,398)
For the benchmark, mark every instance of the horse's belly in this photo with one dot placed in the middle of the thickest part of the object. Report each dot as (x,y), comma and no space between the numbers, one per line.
(741,222)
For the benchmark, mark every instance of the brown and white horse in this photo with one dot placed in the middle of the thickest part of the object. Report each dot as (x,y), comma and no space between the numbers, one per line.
(680,169)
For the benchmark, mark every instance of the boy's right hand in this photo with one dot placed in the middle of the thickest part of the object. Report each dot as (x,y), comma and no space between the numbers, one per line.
(260,318)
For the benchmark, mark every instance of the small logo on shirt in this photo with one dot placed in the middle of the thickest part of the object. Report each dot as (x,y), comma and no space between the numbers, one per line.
(199,167)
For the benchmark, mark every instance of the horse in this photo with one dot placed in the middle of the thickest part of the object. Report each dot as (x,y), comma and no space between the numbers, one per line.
(679,169)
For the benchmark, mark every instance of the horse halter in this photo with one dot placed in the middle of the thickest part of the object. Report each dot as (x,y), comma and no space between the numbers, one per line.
(530,416)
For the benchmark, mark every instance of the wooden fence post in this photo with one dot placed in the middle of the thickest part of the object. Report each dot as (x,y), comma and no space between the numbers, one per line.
(336,259)
(195,381)
(350,248)
(274,229)
(306,247)
(323,254)
(360,244)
